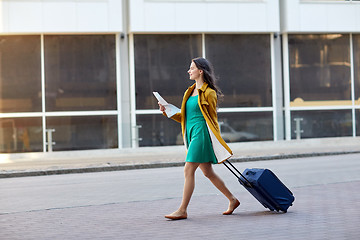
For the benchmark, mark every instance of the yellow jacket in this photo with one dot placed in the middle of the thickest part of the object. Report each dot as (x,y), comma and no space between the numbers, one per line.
(207,102)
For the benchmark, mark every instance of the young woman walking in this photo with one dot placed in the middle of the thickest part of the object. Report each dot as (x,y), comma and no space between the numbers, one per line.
(201,133)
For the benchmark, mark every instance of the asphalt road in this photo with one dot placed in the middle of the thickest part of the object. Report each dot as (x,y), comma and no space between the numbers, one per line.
(159,189)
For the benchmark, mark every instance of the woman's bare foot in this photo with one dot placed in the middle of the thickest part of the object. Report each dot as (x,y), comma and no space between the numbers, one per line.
(233,204)
(177,215)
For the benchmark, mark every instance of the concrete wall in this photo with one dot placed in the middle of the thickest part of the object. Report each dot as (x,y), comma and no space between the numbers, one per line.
(46,16)
(91,16)
(204,16)
(315,16)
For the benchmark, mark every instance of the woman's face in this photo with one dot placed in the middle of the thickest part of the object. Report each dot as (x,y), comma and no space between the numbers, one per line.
(194,72)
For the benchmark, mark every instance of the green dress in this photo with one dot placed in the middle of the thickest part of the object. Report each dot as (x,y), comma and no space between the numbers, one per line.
(200,149)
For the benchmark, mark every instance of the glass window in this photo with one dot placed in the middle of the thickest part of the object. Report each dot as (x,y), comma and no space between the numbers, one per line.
(243,64)
(357,119)
(161,64)
(356,54)
(83,132)
(21,135)
(158,130)
(80,72)
(20,74)
(324,123)
(319,70)
(249,126)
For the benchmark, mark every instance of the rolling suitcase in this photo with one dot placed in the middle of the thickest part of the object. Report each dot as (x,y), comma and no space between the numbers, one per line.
(265,187)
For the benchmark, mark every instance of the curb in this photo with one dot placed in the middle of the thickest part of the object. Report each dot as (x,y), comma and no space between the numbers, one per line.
(32,173)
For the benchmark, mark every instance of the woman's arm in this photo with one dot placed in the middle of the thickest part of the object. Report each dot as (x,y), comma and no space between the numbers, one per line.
(176,116)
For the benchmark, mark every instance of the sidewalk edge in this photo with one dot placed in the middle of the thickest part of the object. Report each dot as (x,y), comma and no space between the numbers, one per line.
(32,173)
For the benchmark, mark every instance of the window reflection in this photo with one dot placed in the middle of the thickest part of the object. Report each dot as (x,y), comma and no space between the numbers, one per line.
(20,135)
(356,55)
(243,64)
(158,130)
(319,70)
(241,127)
(20,74)
(357,122)
(325,123)
(161,64)
(80,133)
(80,72)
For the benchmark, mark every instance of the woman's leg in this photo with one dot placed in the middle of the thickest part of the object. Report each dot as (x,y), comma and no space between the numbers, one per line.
(189,185)
(219,184)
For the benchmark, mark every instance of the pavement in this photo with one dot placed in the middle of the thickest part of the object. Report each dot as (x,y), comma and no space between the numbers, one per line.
(323,174)
(132,204)
(37,164)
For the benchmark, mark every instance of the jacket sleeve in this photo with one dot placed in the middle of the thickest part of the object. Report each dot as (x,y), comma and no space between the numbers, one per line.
(212,100)
(177,117)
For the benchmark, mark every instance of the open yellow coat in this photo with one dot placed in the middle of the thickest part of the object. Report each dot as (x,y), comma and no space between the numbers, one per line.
(207,102)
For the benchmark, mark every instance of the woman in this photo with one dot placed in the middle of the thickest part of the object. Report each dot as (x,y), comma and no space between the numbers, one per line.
(201,135)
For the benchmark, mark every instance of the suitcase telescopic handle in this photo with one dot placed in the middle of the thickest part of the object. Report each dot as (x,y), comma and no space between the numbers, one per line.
(247,183)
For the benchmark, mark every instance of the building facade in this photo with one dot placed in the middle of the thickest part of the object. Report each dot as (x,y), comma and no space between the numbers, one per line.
(78,74)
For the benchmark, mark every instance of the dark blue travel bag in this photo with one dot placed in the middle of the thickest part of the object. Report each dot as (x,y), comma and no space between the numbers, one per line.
(266,187)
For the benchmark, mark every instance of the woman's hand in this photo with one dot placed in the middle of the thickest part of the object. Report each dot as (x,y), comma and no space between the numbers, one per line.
(161,107)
